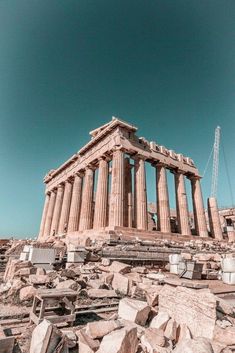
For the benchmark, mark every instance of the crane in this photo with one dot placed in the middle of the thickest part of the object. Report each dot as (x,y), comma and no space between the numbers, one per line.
(215,168)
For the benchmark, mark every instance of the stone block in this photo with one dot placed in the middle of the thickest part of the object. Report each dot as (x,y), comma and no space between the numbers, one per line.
(225,335)
(119,267)
(134,310)
(194,308)
(98,329)
(45,338)
(68,284)
(85,343)
(42,255)
(197,345)
(120,341)
(152,339)
(102,293)
(27,293)
(171,330)
(39,279)
(120,283)
(160,320)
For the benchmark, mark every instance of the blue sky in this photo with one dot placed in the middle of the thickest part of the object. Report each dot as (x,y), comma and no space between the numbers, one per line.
(66,67)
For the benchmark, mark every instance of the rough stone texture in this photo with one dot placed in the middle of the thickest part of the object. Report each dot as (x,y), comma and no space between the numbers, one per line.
(120,283)
(45,338)
(119,267)
(195,308)
(39,279)
(85,343)
(27,293)
(68,284)
(182,205)
(98,329)
(197,345)
(153,338)
(225,335)
(134,310)
(171,330)
(160,321)
(120,341)
(101,293)
(184,333)
(152,294)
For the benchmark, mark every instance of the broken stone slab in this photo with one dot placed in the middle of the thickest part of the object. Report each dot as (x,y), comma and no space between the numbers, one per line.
(102,293)
(134,310)
(105,261)
(85,343)
(224,335)
(71,338)
(152,294)
(96,283)
(68,284)
(152,339)
(45,338)
(156,276)
(38,279)
(98,329)
(195,308)
(119,267)
(120,341)
(139,269)
(196,345)
(183,333)
(160,320)
(6,343)
(120,283)
(171,330)
(27,293)
(129,324)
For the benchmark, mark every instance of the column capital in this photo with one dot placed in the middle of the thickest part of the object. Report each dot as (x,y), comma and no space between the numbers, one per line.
(194,177)
(118,148)
(138,156)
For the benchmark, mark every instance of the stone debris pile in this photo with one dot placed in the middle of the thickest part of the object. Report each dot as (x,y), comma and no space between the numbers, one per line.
(119,307)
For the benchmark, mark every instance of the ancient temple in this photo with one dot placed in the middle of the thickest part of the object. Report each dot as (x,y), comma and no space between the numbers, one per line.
(76,205)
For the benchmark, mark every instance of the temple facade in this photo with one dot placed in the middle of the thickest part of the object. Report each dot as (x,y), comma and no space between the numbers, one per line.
(76,202)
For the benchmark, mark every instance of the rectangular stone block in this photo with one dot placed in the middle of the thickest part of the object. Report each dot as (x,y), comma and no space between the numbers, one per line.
(39,255)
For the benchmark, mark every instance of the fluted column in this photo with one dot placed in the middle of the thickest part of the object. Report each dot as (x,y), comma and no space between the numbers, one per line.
(198,208)
(141,194)
(116,207)
(128,202)
(182,205)
(87,200)
(64,216)
(49,216)
(214,219)
(44,215)
(57,209)
(163,207)
(75,204)
(101,200)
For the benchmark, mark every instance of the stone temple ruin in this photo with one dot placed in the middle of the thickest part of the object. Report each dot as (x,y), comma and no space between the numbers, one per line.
(119,204)
(101,279)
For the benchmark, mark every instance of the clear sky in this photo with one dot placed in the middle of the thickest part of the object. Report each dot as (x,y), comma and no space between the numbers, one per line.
(67,66)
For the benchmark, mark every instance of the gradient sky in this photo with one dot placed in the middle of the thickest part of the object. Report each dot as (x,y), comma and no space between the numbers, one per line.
(66,67)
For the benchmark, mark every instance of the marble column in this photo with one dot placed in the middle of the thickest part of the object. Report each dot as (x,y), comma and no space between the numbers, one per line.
(214,219)
(182,205)
(198,208)
(75,208)
(57,209)
(101,199)
(87,200)
(141,194)
(49,216)
(163,207)
(64,216)
(116,207)
(128,196)
(44,215)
